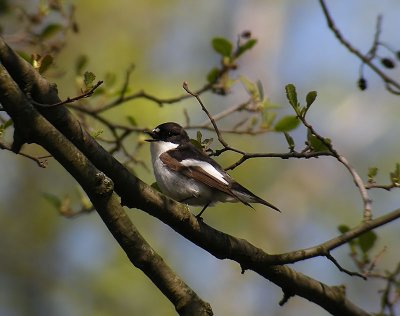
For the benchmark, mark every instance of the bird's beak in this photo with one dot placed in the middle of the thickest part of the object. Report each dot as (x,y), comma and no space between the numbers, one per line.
(152,135)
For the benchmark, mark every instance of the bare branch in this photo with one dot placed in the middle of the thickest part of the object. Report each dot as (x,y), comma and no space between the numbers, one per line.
(68,100)
(391,85)
(96,184)
(356,177)
(292,154)
(40,161)
(386,187)
(196,95)
(331,258)
(327,246)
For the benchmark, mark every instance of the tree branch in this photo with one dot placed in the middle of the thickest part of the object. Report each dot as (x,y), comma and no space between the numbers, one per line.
(325,247)
(366,59)
(135,193)
(196,95)
(367,214)
(40,161)
(68,100)
(99,189)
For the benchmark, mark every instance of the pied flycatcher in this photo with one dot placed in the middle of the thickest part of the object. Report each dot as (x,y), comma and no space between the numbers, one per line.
(188,175)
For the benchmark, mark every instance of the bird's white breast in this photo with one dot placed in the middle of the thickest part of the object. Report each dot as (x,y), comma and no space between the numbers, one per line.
(175,185)
(158,148)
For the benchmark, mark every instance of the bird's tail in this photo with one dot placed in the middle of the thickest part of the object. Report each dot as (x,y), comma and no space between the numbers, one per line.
(246,197)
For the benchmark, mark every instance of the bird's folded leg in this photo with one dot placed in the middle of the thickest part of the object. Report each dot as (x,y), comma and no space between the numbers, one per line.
(198,216)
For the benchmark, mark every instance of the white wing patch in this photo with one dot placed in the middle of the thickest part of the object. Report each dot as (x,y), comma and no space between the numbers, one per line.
(206,167)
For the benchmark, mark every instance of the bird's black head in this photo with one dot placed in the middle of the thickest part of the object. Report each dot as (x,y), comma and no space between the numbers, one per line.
(169,132)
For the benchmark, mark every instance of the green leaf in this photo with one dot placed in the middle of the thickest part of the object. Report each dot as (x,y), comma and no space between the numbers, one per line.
(315,143)
(290,141)
(222,46)
(196,143)
(88,78)
(45,63)
(206,143)
(367,240)
(81,62)
(372,172)
(343,228)
(54,200)
(199,136)
(132,120)
(395,175)
(287,123)
(310,98)
(50,30)
(212,75)
(267,104)
(291,95)
(96,133)
(253,122)
(155,186)
(268,119)
(251,87)
(245,47)
(260,89)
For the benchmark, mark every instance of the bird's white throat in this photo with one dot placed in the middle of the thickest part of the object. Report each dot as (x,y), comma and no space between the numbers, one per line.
(159,147)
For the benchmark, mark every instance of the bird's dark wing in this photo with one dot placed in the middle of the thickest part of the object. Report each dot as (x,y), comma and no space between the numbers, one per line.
(194,164)
(184,159)
(189,151)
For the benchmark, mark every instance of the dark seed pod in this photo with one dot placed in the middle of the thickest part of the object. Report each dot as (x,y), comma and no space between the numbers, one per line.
(246,34)
(362,84)
(388,63)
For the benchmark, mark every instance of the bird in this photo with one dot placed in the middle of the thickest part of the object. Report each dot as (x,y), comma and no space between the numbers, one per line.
(188,175)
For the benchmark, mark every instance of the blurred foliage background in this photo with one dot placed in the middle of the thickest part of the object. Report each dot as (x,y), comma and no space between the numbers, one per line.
(52,265)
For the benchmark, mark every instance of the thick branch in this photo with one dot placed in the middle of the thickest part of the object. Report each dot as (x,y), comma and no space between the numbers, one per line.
(99,189)
(137,194)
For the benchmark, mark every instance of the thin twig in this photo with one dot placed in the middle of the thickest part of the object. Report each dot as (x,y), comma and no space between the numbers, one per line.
(196,95)
(356,177)
(68,100)
(375,43)
(386,187)
(292,154)
(391,85)
(41,161)
(374,261)
(327,246)
(126,83)
(162,101)
(331,258)
(225,113)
